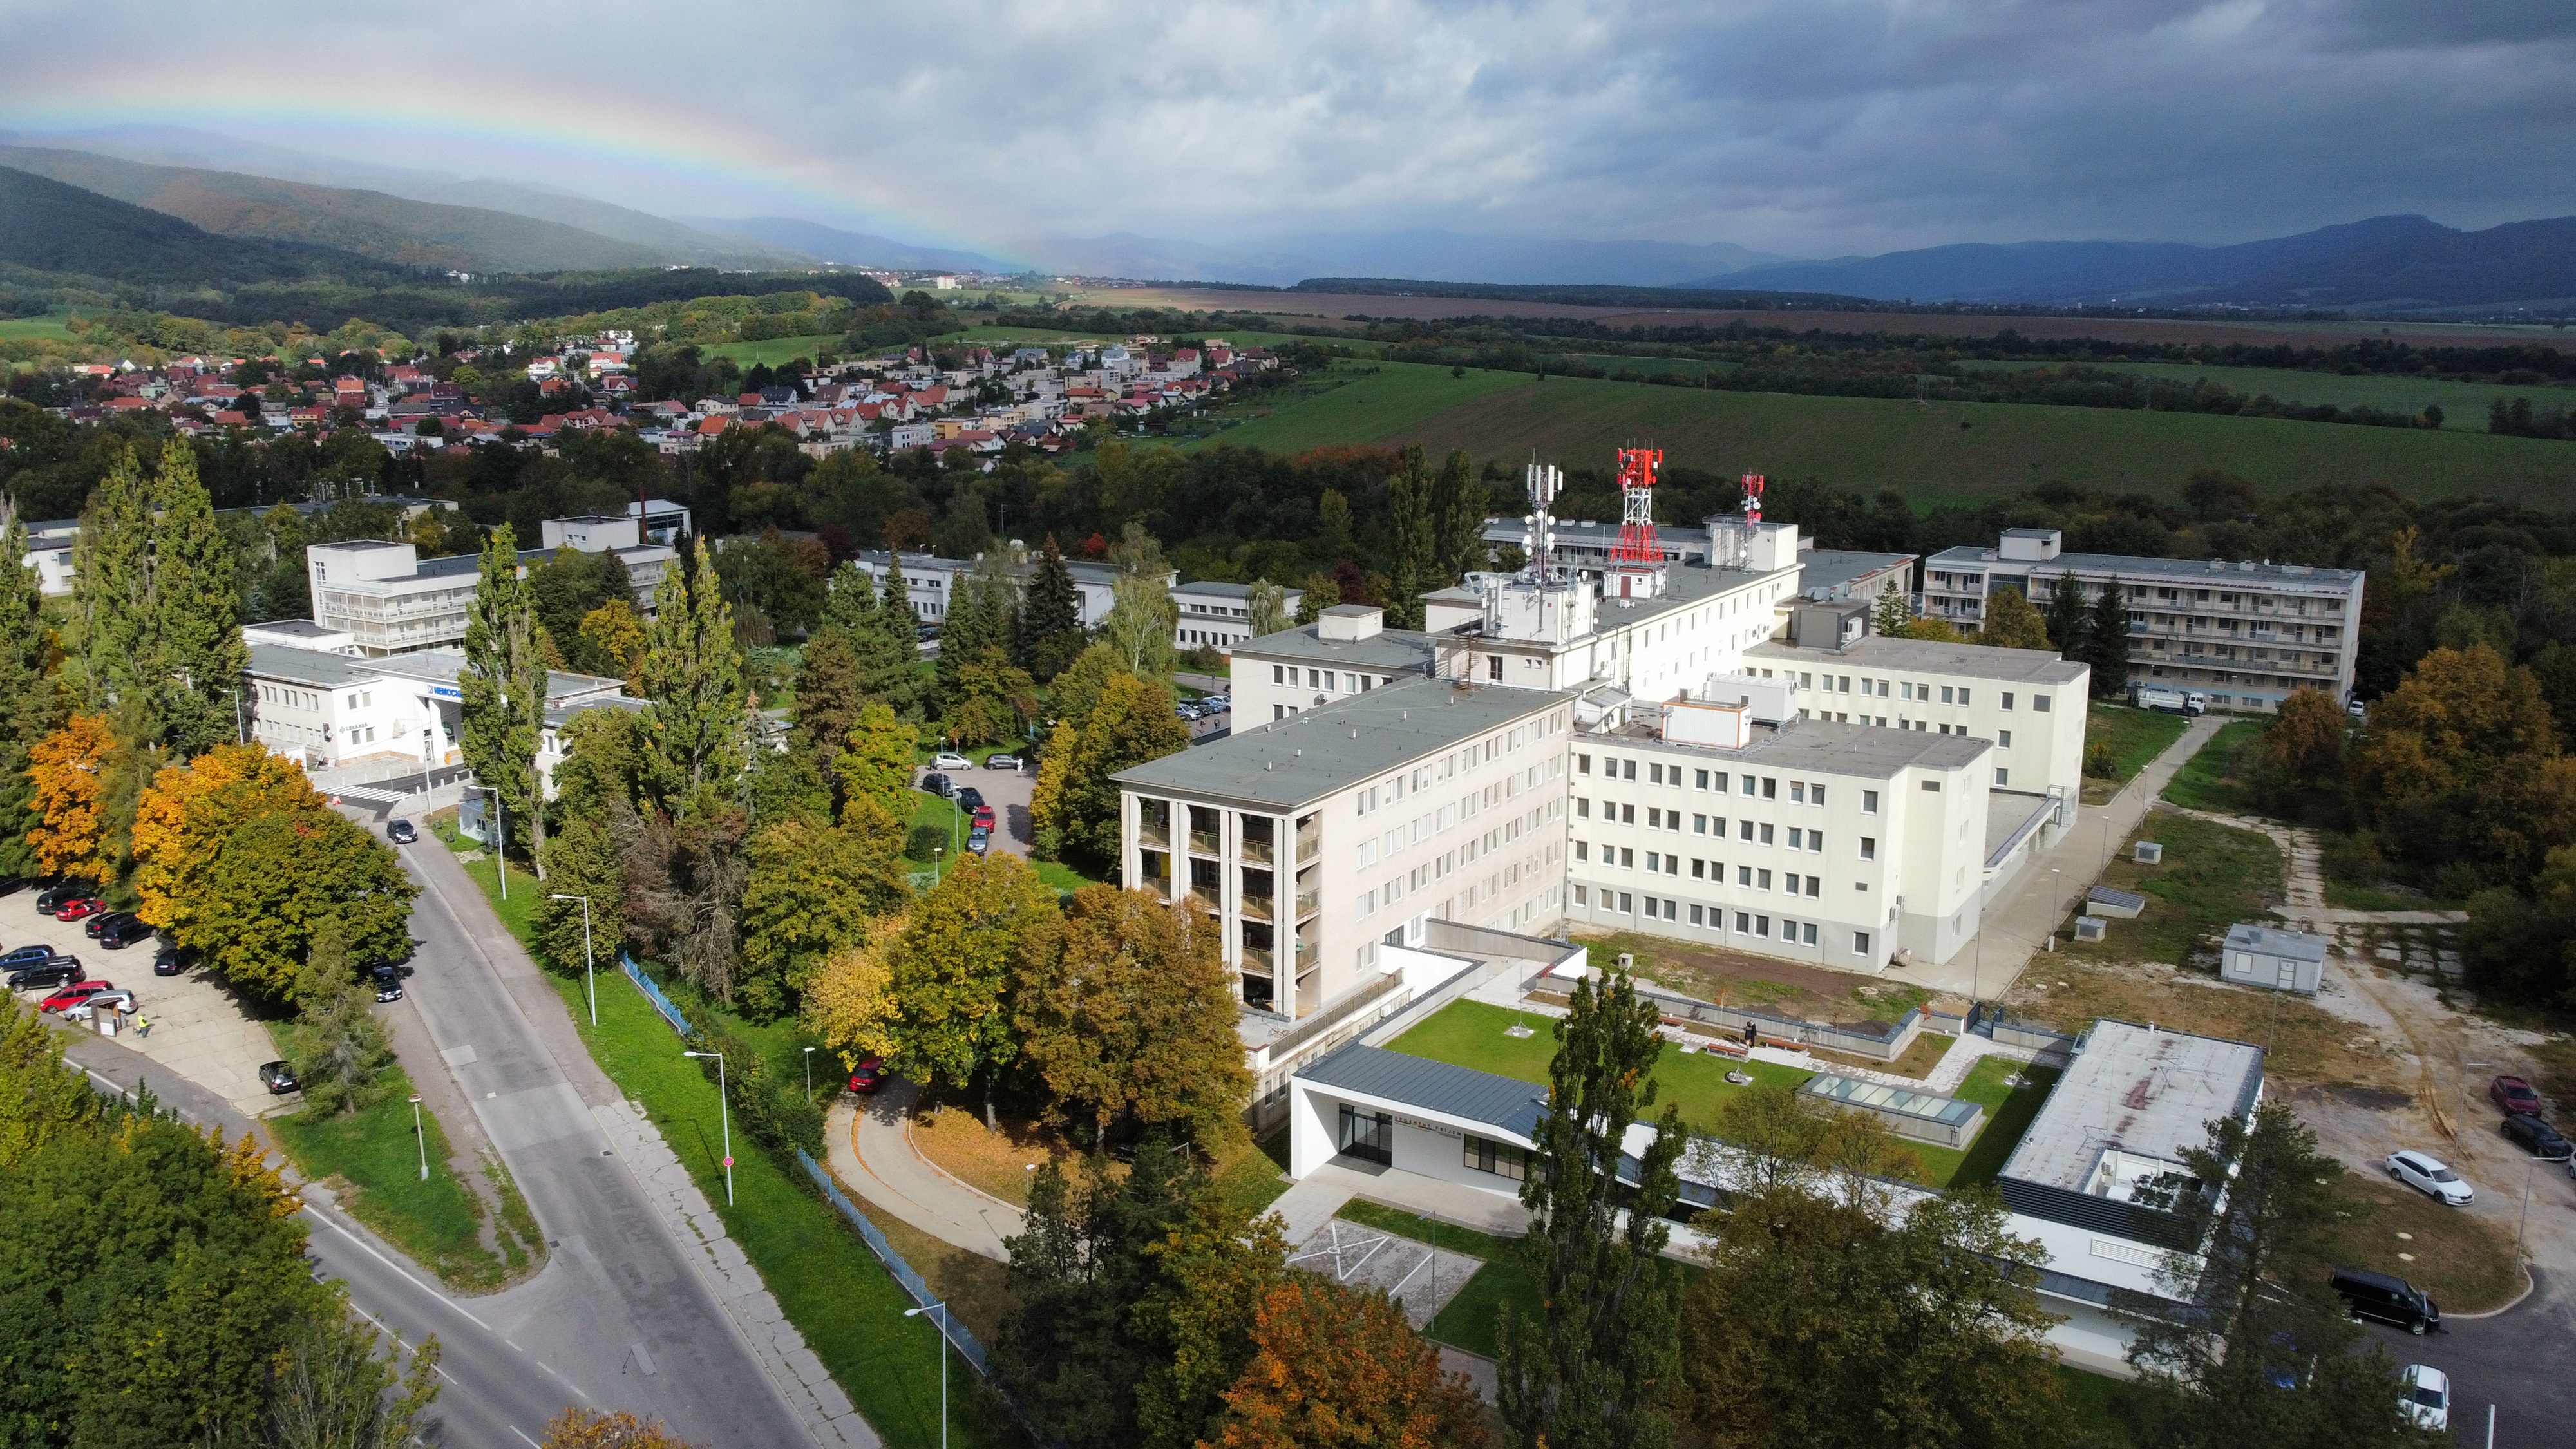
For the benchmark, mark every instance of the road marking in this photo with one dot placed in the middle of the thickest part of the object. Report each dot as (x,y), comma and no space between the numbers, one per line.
(643,1360)
(463,1056)
(524,1439)
(405,1347)
(370,1251)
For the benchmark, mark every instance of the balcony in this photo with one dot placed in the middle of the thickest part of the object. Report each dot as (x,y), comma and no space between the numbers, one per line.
(1257,848)
(1309,904)
(1257,908)
(1260,959)
(1203,842)
(1151,834)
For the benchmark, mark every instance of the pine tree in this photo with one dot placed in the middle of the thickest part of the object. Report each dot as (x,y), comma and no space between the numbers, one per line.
(30,705)
(2107,642)
(697,721)
(503,690)
(889,656)
(593,786)
(973,625)
(1596,1369)
(1892,612)
(2068,619)
(849,600)
(112,606)
(197,610)
(1050,615)
(2011,623)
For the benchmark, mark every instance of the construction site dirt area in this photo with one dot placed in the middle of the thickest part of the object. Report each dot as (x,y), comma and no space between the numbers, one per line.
(2303,1043)
(1741,978)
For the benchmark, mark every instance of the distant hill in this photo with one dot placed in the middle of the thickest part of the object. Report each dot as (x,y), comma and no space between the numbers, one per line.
(368,223)
(1577,295)
(46,226)
(2387,263)
(1428,254)
(850,248)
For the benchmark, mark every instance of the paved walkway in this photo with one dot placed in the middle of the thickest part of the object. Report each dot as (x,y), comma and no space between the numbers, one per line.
(1313,1200)
(2018,924)
(871,1150)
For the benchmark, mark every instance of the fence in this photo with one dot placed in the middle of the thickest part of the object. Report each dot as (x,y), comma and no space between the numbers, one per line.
(653,994)
(958,1334)
(1876,1040)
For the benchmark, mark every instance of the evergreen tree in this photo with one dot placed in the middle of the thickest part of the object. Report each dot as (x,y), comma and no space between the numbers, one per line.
(2107,641)
(974,624)
(849,600)
(593,796)
(827,696)
(2068,619)
(697,722)
(1050,616)
(198,648)
(1411,537)
(1458,503)
(30,705)
(1596,1369)
(345,1047)
(503,690)
(2011,623)
(888,651)
(112,603)
(1892,612)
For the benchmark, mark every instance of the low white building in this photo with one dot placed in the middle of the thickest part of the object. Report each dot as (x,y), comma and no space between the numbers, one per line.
(1217,615)
(49,553)
(328,710)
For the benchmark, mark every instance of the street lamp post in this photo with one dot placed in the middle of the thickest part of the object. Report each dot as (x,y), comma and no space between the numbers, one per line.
(589,972)
(938,853)
(724,1110)
(809,1074)
(2056,904)
(501,834)
(942,1306)
(420,1136)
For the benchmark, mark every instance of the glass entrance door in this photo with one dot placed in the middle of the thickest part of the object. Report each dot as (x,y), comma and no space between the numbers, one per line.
(1368,1136)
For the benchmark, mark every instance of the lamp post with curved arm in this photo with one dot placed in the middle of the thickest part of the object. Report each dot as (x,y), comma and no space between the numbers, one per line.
(589,972)
(724,1109)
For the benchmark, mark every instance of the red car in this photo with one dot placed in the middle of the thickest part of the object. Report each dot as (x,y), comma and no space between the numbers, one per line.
(2515,1096)
(983,816)
(75,994)
(869,1075)
(79,908)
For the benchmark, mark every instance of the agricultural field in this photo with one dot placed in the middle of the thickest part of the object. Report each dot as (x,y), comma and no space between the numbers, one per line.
(1932,452)
(981,335)
(775,350)
(33,329)
(2463,404)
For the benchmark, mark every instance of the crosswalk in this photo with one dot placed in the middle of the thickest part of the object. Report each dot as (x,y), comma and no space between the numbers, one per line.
(368,793)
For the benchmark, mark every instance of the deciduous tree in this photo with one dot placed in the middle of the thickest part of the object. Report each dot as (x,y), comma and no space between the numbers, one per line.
(1412,536)
(850,1002)
(610,640)
(1458,506)
(502,710)
(2305,742)
(991,698)
(811,891)
(275,879)
(70,834)
(1132,1020)
(876,762)
(827,697)
(589,1429)
(1267,607)
(2011,623)
(1142,618)
(345,1049)
(989,923)
(1337,1368)
(1595,1369)
(1133,723)
(2461,766)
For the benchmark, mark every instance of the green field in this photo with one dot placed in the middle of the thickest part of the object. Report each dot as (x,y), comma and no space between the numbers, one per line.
(29,329)
(775,350)
(2463,404)
(2214,778)
(1932,452)
(2212,877)
(981,335)
(2009,1110)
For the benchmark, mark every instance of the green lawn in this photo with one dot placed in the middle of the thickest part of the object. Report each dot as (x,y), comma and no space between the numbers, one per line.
(2107,1410)
(775,350)
(828,1283)
(2212,877)
(1473,1034)
(2213,779)
(438,1222)
(2464,404)
(1932,453)
(981,335)
(2009,1111)
(2136,737)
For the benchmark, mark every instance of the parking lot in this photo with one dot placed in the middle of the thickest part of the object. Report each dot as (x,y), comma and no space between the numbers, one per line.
(197,1029)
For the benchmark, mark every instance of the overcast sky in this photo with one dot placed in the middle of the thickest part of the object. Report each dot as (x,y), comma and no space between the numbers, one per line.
(1811,127)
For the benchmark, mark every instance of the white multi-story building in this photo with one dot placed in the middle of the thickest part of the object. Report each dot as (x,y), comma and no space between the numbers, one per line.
(49,553)
(388,598)
(327,709)
(1218,616)
(931,582)
(2244,633)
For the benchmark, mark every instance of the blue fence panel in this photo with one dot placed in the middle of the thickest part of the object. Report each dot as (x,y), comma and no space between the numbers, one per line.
(653,994)
(958,1333)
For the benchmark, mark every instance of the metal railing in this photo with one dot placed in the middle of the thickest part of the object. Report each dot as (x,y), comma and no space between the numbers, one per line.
(1256,908)
(1262,957)
(1309,903)
(1203,841)
(1257,849)
(652,993)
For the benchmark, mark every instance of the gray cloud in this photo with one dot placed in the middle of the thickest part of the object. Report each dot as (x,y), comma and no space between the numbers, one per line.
(1808,126)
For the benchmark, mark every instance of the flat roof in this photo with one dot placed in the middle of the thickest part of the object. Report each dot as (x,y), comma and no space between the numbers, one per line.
(1831,568)
(1215,589)
(2010,815)
(1305,757)
(2144,1090)
(1833,747)
(1507,1104)
(2178,569)
(1397,649)
(307,666)
(1976,661)
(2272,941)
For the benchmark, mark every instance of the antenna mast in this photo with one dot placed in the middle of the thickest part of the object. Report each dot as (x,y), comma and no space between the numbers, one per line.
(1752,498)
(1639,546)
(1538,530)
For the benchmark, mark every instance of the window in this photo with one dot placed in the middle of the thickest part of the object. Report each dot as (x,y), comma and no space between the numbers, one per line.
(1797,838)
(1629,772)
(1770,788)
(1945,694)
(1654,862)
(1582,894)
(1582,807)
(1695,915)
(2003,739)
(1811,933)
(1748,784)
(1701,780)
(1654,774)
(2008,699)
(1499,1158)
(1766,834)
(1963,695)
(1744,922)
(1815,887)
(1762,880)
(1860,943)
(1744,875)
(1699,869)
(1797,792)
(1931,787)
(1816,841)
(1627,858)
(1627,903)
(1869,802)
(1583,764)
(2039,702)
(1627,814)
(1699,825)
(1744,830)
(1654,818)
(1493,666)
(1868,847)
(1582,850)
(2002,776)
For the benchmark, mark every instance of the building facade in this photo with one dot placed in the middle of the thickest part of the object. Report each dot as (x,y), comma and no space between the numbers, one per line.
(2244,633)
(1219,616)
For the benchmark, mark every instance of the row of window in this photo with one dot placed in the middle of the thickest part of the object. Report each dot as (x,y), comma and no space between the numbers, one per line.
(1748,877)
(1752,832)
(1766,787)
(1755,925)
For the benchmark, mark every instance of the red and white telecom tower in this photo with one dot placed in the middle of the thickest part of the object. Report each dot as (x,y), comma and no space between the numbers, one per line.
(1637,562)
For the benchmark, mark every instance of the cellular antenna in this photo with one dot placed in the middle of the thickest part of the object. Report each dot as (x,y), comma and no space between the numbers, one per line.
(1752,498)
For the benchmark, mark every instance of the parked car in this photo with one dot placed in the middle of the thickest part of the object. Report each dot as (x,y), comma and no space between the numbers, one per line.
(166,962)
(88,1007)
(50,899)
(47,976)
(2390,1300)
(100,922)
(1217,704)
(401,832)
(936,784)
(2431,1176)
(79,908)
(74,994)
(868,1075)
(950,760)
(278,1077)
(1186,710)
(2538,1138)
(2514,1095)
(983,817)
(25,956)
(388,988)
(979,840)
(1002,762)
(125,933)
(2425,1391)
(969,798)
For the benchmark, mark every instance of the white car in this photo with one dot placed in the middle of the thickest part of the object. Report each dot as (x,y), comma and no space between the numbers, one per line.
(87,1008)
(2425,1394)
(947,761)
(2430,1176)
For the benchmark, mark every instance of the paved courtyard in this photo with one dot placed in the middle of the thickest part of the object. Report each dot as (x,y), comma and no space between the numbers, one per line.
(1421,1278)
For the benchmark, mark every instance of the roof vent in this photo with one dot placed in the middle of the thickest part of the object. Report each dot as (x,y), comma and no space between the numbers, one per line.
(1355,734)
(1270,764)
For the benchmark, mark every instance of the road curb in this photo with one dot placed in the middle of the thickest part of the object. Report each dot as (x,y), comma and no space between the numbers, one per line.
(2530,1285)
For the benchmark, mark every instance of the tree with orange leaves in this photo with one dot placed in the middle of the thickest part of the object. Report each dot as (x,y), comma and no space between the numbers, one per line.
(70,834)
(1333,1367)
(187,810)
(583,1429)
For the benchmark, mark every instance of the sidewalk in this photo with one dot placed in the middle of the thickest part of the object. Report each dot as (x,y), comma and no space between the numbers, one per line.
(2017,924)
(868,1149)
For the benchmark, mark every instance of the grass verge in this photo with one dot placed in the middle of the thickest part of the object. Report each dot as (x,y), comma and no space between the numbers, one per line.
(2009,1110)
(2136,737)
(826,1281)
(2465,1262)
(2214,779)
(2106,1409)
(437,1222)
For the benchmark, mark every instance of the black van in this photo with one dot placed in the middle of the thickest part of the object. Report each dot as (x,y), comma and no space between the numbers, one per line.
(2390,1300)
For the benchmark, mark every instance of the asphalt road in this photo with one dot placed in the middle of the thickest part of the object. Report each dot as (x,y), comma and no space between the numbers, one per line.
(491,1391)
(619,1310)
(2515,1360)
